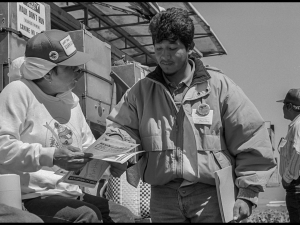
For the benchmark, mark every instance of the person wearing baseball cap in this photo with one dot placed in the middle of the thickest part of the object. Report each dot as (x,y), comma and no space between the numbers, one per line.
(291,101)
(289,150)
(43,130)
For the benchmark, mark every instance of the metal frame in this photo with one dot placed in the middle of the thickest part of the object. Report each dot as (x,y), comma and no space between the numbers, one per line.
(120,25)
(116,28)
(143,11)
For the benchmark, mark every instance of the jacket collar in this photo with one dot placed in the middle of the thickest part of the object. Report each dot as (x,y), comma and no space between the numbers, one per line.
(200,74)
(294,121)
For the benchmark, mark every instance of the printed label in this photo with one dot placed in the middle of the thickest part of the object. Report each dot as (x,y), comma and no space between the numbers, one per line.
(202,119)
(68,45)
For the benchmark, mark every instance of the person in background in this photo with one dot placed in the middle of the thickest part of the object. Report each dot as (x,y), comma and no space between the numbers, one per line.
(10,214)
(43,129)
(289,149)
(191,120)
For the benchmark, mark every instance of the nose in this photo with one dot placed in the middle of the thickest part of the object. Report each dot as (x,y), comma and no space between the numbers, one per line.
(78,72)
(165,55)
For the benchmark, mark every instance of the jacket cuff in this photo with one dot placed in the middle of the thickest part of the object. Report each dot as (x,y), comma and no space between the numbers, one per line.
(287,179)
(248,194)
(46,156)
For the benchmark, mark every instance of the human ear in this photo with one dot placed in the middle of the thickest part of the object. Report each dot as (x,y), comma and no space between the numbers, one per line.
(289,106)
(48,77)
(191,47)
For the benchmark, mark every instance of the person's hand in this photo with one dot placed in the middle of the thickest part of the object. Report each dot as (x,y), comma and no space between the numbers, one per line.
(241,210)
(284,183)
(117,169)
(70,158)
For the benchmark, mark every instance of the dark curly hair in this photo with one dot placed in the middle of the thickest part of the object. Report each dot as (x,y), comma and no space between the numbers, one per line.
(171,25)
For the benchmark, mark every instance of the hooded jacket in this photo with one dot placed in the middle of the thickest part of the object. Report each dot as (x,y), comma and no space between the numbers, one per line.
(177,145)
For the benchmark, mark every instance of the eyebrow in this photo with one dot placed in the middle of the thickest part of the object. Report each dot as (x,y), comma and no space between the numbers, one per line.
(172,42)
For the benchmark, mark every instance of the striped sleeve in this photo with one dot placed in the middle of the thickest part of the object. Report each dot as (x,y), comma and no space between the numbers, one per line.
(292,168)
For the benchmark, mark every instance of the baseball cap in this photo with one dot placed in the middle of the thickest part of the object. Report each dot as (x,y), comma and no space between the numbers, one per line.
(293,96)
(57,47)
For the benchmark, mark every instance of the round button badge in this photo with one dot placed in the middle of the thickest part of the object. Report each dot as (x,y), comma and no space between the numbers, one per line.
(203,109)
(53,55)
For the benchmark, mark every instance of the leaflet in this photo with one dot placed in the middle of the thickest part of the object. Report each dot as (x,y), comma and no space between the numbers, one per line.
(87,176)
(105,149)
(122,158)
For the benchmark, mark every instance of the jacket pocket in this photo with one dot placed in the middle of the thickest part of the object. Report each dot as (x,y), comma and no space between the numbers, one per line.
(222,159)
(211,157)
(206,167)
(157,167)
(214,144)
(208,142)
(157,143)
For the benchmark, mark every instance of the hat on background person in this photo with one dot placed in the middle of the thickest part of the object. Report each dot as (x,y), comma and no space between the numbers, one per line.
(293,96)
(48,49)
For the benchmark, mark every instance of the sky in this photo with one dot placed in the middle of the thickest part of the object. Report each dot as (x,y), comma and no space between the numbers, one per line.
(262,41)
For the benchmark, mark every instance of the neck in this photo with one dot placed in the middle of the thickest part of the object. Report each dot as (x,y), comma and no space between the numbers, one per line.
(180,74)
(294,116)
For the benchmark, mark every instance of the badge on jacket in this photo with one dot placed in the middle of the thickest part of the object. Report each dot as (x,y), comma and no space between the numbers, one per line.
(203,109)
(205,118)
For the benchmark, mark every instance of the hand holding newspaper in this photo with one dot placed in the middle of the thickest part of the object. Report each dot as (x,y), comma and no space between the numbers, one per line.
(104,149)
(111,149)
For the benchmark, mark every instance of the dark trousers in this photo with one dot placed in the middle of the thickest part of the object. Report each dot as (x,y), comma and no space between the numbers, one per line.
(293,206)
(91,209)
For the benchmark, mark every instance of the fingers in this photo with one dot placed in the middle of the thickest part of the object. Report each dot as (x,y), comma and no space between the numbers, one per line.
(236,212)
(77,151)
(87,155)
(64,152)
(73,149)
(70,158)
(241,210)
(71,163)
(77,155)
(74,164)
(79,161)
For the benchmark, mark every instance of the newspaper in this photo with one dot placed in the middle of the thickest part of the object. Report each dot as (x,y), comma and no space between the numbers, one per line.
(87,176)
(122,157)
(104,150)
(107,148)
